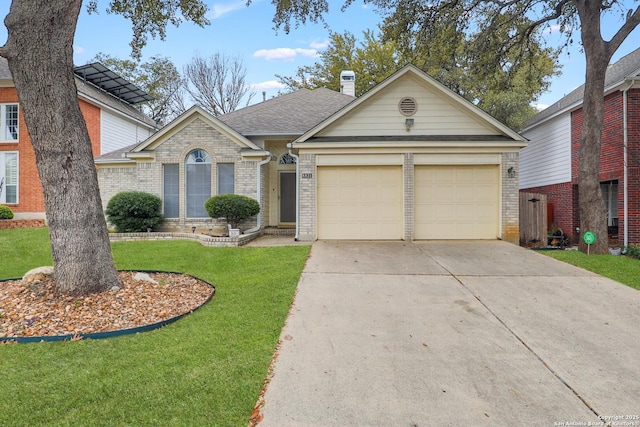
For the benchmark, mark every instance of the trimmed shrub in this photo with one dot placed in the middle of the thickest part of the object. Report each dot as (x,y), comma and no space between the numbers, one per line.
(5,212)
(134,211)
(233,207)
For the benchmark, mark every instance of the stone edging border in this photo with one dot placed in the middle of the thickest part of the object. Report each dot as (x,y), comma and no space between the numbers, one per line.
(203,239)
(110,334)
(7,224)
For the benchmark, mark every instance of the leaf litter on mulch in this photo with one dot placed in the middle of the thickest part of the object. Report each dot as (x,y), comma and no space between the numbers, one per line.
(37,310)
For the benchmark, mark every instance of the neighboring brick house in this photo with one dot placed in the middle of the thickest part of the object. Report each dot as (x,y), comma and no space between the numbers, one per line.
(112,122)
(549,165)
(408,160)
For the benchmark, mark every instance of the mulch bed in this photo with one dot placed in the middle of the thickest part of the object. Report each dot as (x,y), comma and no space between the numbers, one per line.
(36,309)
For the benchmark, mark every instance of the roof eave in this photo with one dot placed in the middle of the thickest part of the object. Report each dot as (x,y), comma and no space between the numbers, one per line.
(398,144)
(118,162)
(619,85)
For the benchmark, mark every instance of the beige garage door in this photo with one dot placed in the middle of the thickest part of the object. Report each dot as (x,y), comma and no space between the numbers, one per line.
(360,202)
(456,202)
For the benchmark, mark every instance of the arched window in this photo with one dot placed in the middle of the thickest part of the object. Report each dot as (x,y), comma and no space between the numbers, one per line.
(198,183)
(287,159)
(198,156)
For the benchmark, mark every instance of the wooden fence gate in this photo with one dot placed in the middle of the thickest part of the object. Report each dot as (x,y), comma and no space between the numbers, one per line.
(533,220)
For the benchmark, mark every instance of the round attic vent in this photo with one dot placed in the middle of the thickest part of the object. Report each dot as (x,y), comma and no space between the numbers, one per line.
(408,106)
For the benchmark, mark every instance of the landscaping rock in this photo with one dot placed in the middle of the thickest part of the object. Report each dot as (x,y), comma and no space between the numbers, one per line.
(144,277)
(38,275)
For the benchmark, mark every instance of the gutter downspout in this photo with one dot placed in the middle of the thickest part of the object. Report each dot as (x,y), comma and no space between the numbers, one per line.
(295,156)
(259,193)
(625,202)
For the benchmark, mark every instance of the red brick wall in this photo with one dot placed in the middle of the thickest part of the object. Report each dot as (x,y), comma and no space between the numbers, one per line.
(29,188)
(611,151)
(612,155)
(633,133)
(30,195)
(91,115)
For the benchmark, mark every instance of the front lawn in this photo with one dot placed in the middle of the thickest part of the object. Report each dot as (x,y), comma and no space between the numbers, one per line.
(622,269)
(206,369)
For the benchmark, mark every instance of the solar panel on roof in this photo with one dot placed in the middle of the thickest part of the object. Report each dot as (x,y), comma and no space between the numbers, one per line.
(111,82)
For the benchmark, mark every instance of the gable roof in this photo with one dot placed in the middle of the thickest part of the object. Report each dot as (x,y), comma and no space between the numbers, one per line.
(187,117)
(617,73)
(116,156)
(93,94)
(505,133)
(291,114)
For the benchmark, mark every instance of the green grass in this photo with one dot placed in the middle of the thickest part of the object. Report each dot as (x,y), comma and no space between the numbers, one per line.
(207,369)
(622,269)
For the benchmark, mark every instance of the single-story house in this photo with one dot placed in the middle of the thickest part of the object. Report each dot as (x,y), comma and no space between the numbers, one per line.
(549,164)
(407,160)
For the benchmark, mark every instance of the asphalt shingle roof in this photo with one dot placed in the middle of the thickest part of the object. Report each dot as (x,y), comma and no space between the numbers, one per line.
(290,114)
(117,155)
(627,66)
(4,69)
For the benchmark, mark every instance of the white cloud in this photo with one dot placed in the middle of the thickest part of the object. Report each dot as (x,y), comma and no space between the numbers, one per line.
(319,45)
(284,53)
(540,107)
(267,86)
(220,9)
(311,53)
(78,50)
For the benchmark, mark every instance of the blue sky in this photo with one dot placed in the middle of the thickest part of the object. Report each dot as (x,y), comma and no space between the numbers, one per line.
(247,32)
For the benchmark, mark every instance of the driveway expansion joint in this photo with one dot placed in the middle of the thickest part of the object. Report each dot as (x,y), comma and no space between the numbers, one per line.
(515,335)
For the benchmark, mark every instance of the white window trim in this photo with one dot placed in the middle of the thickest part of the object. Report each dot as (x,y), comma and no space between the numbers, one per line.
(3,123)
(3,195)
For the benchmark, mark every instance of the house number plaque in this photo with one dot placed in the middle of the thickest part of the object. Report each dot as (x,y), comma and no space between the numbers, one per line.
(307,175)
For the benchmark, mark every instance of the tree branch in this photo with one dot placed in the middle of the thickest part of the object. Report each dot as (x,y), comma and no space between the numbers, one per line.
(630,24)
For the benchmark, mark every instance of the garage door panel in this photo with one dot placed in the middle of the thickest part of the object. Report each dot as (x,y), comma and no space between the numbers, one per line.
(360,202)
(456,202)
(482,193)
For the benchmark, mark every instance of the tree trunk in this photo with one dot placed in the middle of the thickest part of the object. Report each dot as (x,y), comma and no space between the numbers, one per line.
(592,209)
(39,51)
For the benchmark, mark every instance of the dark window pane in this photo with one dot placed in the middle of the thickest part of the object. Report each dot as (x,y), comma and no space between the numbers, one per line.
(225,178)
(171,190)
(198,189)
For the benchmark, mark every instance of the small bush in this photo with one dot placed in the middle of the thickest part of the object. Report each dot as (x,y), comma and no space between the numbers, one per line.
(633,251)
(134,211)
(5,212)
(233,207)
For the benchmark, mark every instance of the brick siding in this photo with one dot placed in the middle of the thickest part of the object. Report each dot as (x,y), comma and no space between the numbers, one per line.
(612,155)
(307,198)
(147,176)
(564,196)
(510,208)
(30,195)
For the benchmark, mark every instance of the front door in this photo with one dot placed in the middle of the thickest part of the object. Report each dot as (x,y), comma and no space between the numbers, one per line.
(287,197)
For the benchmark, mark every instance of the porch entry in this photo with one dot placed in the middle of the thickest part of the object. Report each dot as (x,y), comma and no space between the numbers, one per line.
(287,197)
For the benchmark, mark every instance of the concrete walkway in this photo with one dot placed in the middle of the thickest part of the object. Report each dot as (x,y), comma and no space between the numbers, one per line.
(454,334)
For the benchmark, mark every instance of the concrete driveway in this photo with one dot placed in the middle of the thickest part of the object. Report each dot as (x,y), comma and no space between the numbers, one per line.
(454,334)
